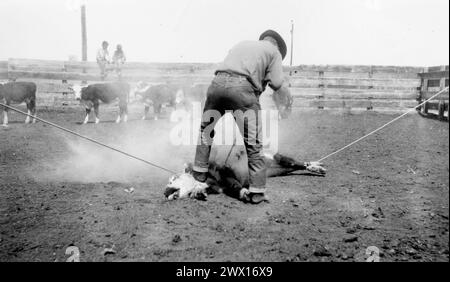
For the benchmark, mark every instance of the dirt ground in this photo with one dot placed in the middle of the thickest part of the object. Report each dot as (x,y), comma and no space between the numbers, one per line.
(389,191)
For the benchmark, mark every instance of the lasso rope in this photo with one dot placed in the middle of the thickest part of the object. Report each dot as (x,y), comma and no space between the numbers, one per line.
(383,126)
(229,153)
(89,139)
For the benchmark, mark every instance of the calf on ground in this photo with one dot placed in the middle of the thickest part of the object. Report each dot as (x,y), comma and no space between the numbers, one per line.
(228,173)
(17,93)
(90,97)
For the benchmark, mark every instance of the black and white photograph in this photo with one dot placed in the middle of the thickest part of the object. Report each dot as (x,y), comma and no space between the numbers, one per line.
(224,131)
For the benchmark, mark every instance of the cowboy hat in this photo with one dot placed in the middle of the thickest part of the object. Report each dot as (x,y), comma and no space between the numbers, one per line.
(281,44)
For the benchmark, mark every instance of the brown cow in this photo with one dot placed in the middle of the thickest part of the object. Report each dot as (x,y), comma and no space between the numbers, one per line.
(156,95)
(90,97)
(17,93)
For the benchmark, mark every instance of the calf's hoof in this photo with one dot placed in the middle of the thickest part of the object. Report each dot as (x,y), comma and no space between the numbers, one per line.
(244,195)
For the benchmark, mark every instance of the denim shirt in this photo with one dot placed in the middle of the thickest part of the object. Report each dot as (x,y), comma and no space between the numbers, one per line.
(259,61)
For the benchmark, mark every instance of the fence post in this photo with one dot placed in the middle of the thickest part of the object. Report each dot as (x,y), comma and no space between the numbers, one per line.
(321,105)
(441,110)
(442,81)
(64,82)
(424,88)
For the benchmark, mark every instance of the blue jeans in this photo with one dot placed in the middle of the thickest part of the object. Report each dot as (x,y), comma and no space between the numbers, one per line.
(236,94)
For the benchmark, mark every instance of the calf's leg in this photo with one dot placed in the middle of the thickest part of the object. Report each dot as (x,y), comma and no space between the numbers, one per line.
(31,107)
(97,112)
(27,119)
(86,118)
(278,165)
(123,111)
(5,116)
(157,110)
(88,104)
(146,109)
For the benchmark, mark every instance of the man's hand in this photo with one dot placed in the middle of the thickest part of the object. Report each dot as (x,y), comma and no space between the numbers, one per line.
(283,101)
(316,167)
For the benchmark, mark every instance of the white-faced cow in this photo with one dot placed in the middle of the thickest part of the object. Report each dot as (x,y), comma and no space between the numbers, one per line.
(156,95)
(90,97)
(228,173)
(17,93)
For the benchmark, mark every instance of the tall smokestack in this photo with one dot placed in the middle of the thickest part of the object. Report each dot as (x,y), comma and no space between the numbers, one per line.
(83,34)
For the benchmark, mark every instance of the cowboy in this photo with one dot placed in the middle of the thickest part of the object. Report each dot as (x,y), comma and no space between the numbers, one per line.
(239,81)
(103,59)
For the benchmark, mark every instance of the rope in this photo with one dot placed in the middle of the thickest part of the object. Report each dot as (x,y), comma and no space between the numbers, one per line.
(171,171)
(89,139)
(231,149)
(383,126)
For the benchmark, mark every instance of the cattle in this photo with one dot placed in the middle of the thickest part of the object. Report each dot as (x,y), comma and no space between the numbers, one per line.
(90,97)
(17,93)
(228,173)
(156,95)
(193,94)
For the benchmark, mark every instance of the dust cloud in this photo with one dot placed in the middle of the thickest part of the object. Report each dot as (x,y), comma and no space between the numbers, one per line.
(88,162)
(82,161)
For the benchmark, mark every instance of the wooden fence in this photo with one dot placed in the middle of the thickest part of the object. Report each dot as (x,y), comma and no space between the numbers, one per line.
(433,80)
(313,86)
(53,78)
(361,87)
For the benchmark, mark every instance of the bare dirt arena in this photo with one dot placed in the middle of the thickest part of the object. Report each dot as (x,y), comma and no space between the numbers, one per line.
(389,191)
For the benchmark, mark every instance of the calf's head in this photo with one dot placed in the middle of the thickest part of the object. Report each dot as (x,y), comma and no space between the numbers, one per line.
(184,185)
(136,92)
(77,89)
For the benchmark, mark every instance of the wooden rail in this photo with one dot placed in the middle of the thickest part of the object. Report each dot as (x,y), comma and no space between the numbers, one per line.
(316,86)
(354,87)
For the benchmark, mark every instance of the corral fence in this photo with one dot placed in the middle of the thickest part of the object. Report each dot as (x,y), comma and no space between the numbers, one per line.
(355,87)
(313,86)
(433,80)
(53,78)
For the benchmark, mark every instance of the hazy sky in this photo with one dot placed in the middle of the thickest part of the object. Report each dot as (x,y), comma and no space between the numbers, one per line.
(384,32)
